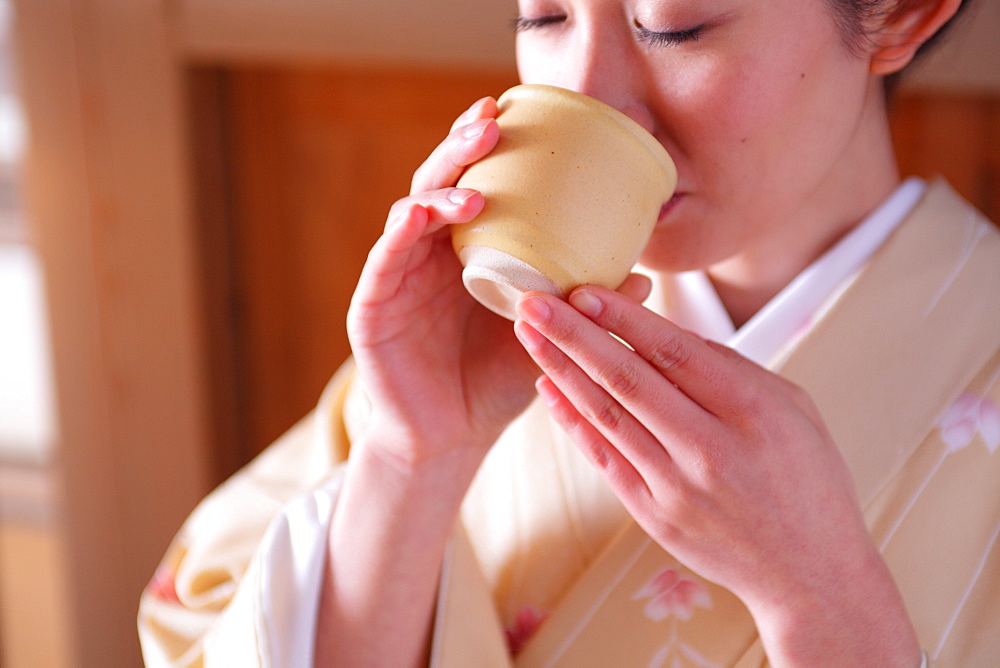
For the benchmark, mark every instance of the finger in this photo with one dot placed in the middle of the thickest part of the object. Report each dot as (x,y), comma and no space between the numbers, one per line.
(474,135)
(485,107)
(721,383)
(597,381)
(617,470)
(622,373)
(446,206)
(636,287)
(778,385)
(411,219)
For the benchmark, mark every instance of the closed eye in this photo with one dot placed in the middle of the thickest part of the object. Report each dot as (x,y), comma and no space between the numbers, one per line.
(521,24)
(671,38)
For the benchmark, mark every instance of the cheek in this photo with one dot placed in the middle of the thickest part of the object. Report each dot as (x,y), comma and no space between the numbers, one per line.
(712,118)
(542,61)
(531,64)
(524,61)
(746,122)
(712,98)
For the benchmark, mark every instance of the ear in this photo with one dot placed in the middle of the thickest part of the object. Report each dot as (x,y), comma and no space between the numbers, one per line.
(912,24)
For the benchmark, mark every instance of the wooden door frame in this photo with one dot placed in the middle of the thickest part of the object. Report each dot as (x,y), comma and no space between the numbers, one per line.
(109,202)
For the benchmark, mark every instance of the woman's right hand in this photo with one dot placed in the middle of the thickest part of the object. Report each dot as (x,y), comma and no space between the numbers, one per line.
(444,375)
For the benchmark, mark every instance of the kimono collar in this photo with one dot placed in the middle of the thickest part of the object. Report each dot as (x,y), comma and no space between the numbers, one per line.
(690,299)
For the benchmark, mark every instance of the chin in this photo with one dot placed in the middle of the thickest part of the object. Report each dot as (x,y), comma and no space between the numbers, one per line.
(667,256)
(675,247)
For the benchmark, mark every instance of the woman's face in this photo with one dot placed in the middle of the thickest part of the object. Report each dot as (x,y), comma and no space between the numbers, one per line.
(766,114)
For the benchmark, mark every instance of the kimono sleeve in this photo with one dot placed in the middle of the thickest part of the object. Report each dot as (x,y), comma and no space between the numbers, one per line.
(239,584)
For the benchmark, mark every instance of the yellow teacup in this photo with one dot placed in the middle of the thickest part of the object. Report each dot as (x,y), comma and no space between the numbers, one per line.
(573,191)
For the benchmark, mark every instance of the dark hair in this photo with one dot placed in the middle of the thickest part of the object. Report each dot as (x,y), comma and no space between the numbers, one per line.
(857,20)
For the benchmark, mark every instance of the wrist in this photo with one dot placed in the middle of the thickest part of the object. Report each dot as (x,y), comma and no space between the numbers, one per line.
(414,459)
(399,469)
(390,527)
(855,616)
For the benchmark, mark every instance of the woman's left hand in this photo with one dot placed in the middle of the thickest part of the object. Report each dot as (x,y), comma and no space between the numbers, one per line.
(726,465)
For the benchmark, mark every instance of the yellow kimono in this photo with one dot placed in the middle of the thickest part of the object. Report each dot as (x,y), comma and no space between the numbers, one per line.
(904,364)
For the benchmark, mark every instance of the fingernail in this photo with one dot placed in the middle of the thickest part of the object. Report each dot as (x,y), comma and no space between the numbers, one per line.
(460,195)
(401,216)
(586,302)
(473,110)
(476,129)
(470,114)
(533,310)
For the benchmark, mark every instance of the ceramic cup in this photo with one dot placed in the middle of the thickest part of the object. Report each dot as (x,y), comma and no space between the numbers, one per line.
(573,190)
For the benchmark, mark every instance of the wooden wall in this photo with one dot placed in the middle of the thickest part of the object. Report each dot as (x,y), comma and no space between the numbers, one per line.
(315,158)
(954,135)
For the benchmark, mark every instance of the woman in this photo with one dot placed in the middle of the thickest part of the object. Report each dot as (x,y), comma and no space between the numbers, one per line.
(729,514)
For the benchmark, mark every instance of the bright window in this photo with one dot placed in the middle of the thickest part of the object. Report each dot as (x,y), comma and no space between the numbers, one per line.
(26,410)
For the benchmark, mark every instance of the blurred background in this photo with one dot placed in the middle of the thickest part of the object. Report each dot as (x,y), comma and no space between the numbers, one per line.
(188,189)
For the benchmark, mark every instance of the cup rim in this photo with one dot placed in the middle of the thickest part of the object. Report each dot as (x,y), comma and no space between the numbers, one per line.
(648,140)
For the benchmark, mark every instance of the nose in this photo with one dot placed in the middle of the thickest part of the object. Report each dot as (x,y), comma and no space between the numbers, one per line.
(602,63)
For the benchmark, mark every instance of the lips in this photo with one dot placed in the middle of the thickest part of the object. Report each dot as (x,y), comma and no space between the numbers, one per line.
(669,205)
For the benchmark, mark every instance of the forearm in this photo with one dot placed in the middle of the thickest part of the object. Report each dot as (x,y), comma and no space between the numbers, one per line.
(386,546)
(859,620)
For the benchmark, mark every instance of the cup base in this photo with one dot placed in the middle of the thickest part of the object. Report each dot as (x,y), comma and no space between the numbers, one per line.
(496,279)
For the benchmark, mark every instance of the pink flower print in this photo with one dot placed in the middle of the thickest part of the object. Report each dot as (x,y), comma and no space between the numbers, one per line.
(969,415)
(670,593)
(528,619)
(802,329)
(163,585)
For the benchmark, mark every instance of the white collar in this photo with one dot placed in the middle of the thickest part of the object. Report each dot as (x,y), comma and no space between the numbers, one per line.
(692,302)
